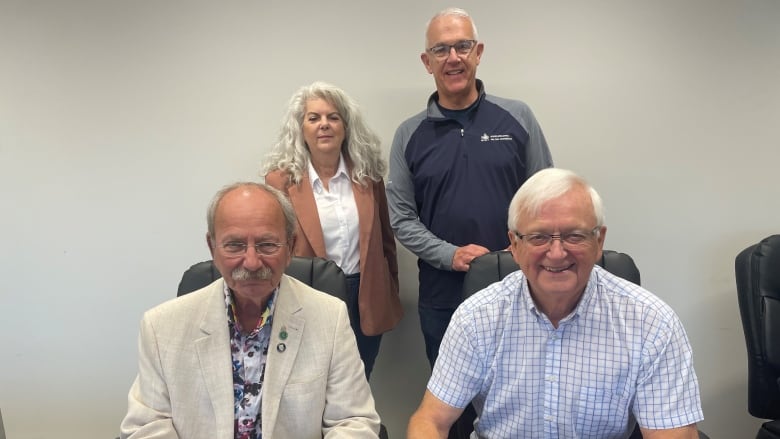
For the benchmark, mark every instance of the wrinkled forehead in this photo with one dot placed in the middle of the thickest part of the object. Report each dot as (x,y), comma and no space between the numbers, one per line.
(248,207)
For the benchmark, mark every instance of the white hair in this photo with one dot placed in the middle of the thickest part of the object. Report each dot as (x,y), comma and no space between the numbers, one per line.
(545,185)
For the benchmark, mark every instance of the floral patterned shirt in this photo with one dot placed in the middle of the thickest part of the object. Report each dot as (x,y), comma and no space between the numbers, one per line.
(249,352)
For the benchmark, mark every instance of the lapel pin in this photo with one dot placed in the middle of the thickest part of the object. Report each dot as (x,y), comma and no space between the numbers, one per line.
(281,347)
(283,333)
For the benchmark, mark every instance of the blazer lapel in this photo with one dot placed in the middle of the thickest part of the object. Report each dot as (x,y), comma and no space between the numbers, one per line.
(286,333)
(302,198)
(364,199)
(214,358)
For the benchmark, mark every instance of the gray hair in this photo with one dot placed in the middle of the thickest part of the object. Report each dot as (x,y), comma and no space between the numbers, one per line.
(290,220)
(361,145)
(545,185)
(453,12)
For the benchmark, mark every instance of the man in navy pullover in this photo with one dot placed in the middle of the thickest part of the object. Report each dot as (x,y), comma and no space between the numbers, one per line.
(454,169)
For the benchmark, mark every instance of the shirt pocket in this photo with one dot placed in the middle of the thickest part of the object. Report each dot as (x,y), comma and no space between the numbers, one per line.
(600,413)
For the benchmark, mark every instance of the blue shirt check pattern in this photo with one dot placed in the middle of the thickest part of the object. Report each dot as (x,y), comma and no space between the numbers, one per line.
(622,356)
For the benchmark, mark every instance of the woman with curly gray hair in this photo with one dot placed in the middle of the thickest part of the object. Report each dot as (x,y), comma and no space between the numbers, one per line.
(328,162)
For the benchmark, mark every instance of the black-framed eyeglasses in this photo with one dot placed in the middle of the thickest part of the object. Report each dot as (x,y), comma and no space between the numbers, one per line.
(575,238)
(233,249)
(462,47)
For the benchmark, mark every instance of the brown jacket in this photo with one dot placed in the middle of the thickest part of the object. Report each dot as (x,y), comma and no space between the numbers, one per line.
(378,300)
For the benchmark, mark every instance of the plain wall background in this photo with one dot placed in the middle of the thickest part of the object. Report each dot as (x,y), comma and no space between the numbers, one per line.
(120,119)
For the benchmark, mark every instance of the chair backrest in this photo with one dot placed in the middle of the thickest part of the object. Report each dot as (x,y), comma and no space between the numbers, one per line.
(494,266)
(757,270)
(321,274)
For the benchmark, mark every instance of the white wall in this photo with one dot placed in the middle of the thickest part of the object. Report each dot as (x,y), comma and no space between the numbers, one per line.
(120,119)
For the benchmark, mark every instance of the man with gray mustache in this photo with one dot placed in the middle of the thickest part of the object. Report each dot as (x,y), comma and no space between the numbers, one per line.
(256,353)
(242,273)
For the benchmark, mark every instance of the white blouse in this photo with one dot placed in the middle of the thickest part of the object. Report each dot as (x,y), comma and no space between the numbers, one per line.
(339,218)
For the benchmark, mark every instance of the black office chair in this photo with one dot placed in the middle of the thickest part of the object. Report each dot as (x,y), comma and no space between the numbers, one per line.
(757,270)
(494,266)
(321,274)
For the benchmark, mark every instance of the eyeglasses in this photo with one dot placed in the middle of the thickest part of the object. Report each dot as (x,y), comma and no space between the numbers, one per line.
(462,47)
(234,249)
(574,239)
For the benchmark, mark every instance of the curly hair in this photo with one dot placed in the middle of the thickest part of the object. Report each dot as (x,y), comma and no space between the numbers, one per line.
(361,145)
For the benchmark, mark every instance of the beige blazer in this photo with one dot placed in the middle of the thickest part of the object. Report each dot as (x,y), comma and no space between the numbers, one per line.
(314,385)
(378,300)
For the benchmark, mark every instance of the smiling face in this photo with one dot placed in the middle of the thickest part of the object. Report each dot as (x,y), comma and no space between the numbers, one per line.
(323,130)
(455,75)
(558,271)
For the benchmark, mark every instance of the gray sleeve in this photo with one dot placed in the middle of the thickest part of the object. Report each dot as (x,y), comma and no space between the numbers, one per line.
(404,218)
(537,153)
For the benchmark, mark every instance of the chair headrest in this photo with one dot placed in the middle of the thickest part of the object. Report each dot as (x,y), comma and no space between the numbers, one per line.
(321,274)
(494,266)
(757,270)
(621,265)
(197,276)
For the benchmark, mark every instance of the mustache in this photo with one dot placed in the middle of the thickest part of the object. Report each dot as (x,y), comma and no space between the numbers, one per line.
(242,274)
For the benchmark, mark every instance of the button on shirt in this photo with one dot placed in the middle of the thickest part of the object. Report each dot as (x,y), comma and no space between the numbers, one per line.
(339,218)
(621,354)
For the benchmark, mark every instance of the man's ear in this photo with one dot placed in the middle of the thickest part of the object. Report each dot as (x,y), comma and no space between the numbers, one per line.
(480,49)
(426,61)
(290,253)
(293,240)
(602,236)
(600,241)
(513,244)
(210,244)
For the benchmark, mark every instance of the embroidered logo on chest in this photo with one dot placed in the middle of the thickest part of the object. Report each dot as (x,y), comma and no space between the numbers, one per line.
(494,137)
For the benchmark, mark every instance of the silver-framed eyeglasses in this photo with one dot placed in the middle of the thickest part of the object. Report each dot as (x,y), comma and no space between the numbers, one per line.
(462,47)
(573,239)
(234,249)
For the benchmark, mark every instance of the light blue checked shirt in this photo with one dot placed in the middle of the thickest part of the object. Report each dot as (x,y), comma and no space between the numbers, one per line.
(622,356)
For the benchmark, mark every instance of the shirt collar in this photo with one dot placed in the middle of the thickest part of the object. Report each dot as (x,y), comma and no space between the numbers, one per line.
(231,312)
(314,178)
(581,307)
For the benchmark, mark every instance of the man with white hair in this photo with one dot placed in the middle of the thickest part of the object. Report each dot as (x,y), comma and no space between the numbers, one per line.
(562,348)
